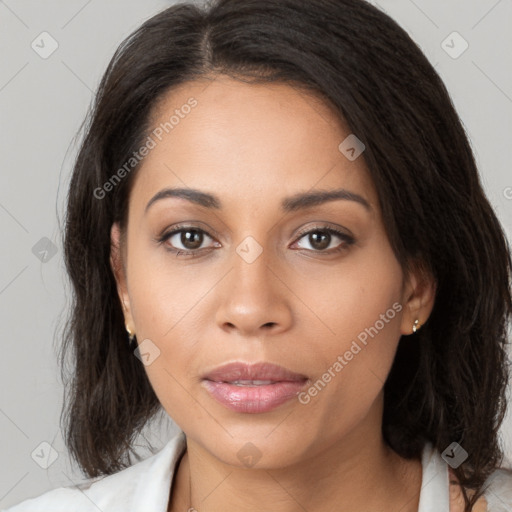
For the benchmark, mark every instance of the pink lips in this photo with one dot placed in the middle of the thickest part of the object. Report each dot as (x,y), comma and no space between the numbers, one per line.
(253,397)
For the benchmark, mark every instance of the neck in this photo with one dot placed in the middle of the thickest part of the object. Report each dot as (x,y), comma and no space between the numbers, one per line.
(356,472)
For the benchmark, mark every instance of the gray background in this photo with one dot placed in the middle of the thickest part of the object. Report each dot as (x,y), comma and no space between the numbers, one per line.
(42,103)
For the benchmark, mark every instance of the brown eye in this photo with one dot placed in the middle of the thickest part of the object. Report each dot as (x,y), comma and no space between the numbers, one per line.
(319,240)
(323,240)
(191,238)
(186,240)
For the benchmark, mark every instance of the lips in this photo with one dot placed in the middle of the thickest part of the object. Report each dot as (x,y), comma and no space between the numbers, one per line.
(239,371)
(253,388)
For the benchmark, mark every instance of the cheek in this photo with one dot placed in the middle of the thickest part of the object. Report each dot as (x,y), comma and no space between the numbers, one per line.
(164,292)
(359,307)
(166,300)
(350,297)
(163,301)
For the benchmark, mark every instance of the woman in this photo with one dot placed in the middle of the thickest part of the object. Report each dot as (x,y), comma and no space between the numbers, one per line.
(279,205)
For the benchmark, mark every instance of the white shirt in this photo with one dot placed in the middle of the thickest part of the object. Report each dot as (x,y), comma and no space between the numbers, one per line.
(145,486)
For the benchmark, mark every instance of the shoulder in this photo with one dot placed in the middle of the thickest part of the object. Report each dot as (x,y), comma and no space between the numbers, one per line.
(56,500)
(497,493)
(147,481)
(88,496)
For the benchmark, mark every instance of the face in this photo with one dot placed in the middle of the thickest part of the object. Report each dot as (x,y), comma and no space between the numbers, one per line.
(255,275)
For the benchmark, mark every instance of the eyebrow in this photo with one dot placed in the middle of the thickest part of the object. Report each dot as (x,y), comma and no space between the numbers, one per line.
(293,203)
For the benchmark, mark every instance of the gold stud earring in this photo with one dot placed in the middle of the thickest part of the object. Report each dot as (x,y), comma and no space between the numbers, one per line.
(416,325)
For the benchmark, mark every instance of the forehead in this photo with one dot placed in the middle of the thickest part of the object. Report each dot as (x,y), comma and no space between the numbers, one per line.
(247,141)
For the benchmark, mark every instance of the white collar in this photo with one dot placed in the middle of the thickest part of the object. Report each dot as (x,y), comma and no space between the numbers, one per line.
(435,485)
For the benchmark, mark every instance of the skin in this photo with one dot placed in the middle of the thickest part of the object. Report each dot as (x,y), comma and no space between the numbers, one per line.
(252,146)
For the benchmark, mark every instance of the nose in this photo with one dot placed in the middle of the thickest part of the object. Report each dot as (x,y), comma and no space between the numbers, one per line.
(253,299)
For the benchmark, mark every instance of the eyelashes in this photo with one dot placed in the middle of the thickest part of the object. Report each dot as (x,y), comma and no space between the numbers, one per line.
(192,238)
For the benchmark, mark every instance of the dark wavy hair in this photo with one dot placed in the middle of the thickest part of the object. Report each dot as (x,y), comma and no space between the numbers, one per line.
(449,385)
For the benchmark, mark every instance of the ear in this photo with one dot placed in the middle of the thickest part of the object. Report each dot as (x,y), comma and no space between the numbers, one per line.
(117,263)
(418,298)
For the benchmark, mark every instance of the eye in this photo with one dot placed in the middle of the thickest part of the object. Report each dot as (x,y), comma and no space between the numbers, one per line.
(186,240)
(323,240)
(191,240)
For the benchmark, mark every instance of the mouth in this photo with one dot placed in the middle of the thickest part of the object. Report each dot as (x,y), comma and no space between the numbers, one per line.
(256,373)
(255,388)
(252,382)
